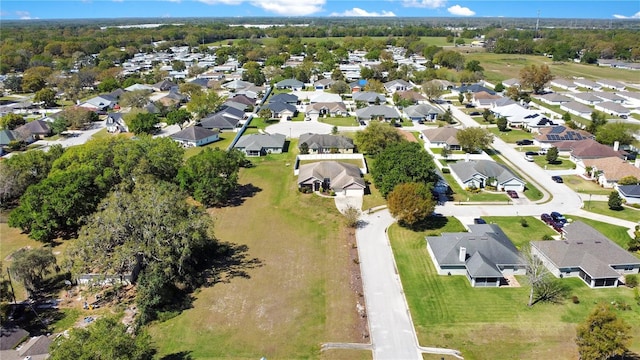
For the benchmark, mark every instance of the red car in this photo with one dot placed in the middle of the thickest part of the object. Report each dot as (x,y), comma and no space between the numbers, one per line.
(512,194)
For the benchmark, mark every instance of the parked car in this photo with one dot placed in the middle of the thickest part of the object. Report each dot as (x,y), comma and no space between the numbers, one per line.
(557,179)
(524,142)
(479,221)
(557,227)
(363,123)
(469,106)
(512,194)
(528,158)
(475,113)
(559,218)
(547,219)
(531,153)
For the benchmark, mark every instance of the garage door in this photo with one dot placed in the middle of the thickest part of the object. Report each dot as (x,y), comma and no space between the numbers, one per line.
(516,187)
(354,192)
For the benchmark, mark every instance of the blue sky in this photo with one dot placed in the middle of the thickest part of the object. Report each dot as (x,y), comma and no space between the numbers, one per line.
(69,9)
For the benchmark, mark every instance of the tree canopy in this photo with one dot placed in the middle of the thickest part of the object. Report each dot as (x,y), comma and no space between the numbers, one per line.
(30,266)
(402,162)
(205,103)
(411,203)
(105,339)
(12,121)
(603,335)
(535,77)
(376,137)
(474,139)
(611,132)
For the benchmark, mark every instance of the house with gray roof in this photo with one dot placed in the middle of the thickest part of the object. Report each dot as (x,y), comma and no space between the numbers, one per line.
(587,254)
(291,84)
(397,85)
(422,112)
(485,255)
(613,108)
(196,136)
(227,119)
(369,97)
(7,136)
(478,174)
(285,98)
(342,178)
(553,98)
(37,129)
(586,98)
(576,108)
(327,144)
(282,110)
(377,112)
(115,123)
(261,144)
(327,108)
(630,193)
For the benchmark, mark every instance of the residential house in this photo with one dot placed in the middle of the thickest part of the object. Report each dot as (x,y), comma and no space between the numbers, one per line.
(422,112)
(612,108)
(261,144)
(590,149)
(397,85)
(609,96)
(226,119)
(377,112)
(587,254)
(202,82)
(243,99)
(441,137)
(629,193)
(37,129)
(553,99)
(369,97)
(441,84)
(413,96)
(471,88)
(611,84)
(631,98)
(327,144)
(485,255)
(341,178)
(479,174)
(609,170)
(282,110)
(115,123)
(164,85)
(284,98)
(323,84)
(7,136)
(329,108)
(323,97)
(586,98)
(138,87)
(518,116)
(560,133)
(100,103)
(193,136)
(563,84)
(357,85)
(587,84)
(483,99)
(511,82)
(291,84)
(576,108)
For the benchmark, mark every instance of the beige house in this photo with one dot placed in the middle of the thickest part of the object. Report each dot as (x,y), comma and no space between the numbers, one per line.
(608,171)
(343,178)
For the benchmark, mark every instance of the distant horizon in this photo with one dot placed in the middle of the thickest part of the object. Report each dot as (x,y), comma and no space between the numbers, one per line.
(465,9)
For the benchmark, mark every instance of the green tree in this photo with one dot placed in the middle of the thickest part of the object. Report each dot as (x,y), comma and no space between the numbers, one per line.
(615,201)
(474,66)
(402,162)
(499,88)
(211,176)
(603,335)
(431,90)
(304,148)
(502,123)
(334,130)
(340,87)
(178,65)
(46,96)
(447,116)
(629,180)
(143,123)
(411,203)
(35,78)
(12,121)
(474,139)
(552,155)
(135,99)
(59,125)
(204,104)
(535,77)
(13,83)
(106,339)
(598,119)
(30,266)
(376,137)
(611,132)
(77,117)
(178,117)
(461,98)
(108,84)
(190,89)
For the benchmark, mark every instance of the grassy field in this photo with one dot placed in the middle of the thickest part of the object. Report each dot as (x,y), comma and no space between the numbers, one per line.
(518,234)
(494,323)
(511,136)
(602,207)
(340,121)
(578,184)
(225,140)
(459,194)
(500,67)
(560,164)
(294,296)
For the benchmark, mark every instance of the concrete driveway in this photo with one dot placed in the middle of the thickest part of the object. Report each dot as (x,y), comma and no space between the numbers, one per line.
(344,202)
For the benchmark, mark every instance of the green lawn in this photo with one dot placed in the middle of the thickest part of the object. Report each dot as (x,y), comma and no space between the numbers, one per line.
(602,207)
(494,323)
(560,164)
(225,140)
(340,121)
(580,185)
(297,293)
(519,235)
(511,136)
(461,195)
(374,197)
(531,192)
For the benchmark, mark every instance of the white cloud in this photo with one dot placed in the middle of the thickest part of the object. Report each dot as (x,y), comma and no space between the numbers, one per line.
(360,12)
(24,15)
(290,7)
(634,16)
(433,4)
(225,2)
(460,11)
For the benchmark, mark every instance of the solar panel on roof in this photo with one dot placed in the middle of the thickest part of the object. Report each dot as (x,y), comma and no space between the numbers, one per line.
(557,130)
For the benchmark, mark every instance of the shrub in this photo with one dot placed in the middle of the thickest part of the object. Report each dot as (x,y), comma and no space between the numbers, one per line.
(575,299)
(631,280)
(523,222)
(547,237)
(446,170)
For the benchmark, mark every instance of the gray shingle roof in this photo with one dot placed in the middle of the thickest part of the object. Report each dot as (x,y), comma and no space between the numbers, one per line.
(487,239)
(479,265)
(289,83)
(588,249)
(342,175)
(421,110)
(629,190)
(285,98)
(466,169)
(325,141)
(193,133)
(377,110)
(257,142)
(368,96)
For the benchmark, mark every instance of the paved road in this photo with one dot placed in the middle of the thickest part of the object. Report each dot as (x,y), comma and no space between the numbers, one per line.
(392,333)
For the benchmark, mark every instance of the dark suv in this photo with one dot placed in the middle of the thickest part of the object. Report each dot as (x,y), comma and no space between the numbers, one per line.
(559,218)
(557,179)
(524,142)
(547,219)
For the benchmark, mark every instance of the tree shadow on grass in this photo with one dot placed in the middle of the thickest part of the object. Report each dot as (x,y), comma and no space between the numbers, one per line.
(182,355)
(429,223)
(231,261)
(241,193)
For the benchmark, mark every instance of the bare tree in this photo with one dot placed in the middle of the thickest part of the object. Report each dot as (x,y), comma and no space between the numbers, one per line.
(536,271)
(544,286)
(352,215)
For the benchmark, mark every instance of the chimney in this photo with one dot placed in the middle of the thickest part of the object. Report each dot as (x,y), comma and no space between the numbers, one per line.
(616,145)
(462,256)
